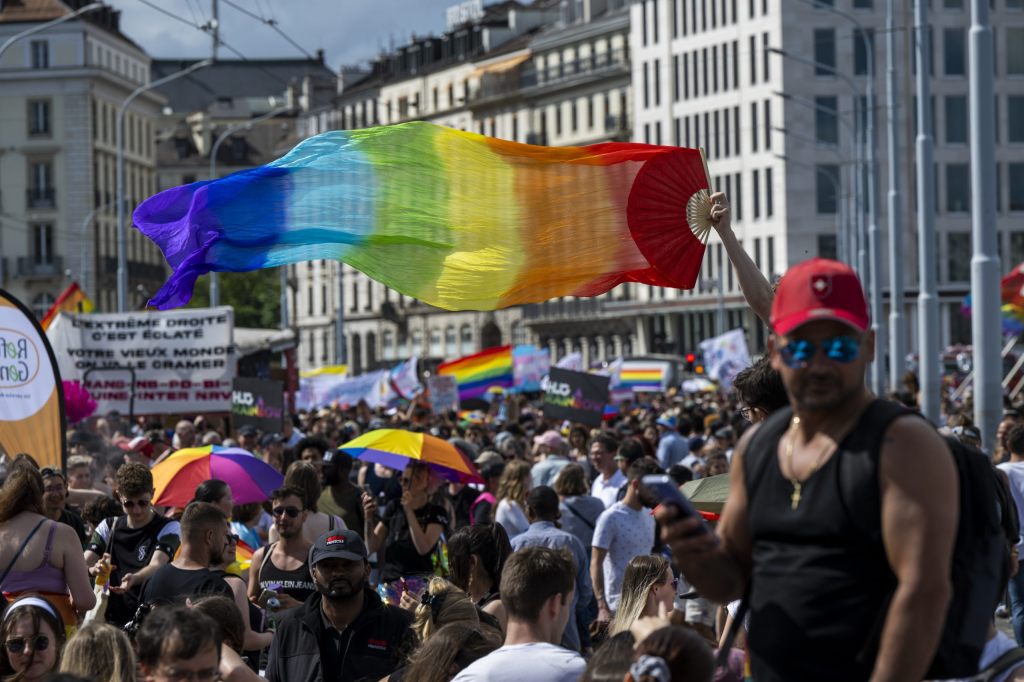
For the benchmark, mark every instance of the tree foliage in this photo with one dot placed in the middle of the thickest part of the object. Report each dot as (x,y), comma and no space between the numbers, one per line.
(255,296)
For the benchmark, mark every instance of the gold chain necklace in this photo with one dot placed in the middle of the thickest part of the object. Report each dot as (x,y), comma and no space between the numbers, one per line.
(798,485)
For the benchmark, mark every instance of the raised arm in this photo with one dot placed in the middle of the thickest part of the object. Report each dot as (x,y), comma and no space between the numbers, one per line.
(757,290)
(920,507)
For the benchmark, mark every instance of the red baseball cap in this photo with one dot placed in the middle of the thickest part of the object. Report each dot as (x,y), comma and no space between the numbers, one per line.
(819,289)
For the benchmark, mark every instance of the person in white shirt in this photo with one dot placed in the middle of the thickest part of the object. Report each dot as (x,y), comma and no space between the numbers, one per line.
(624,530)
(538,584)
(609,478)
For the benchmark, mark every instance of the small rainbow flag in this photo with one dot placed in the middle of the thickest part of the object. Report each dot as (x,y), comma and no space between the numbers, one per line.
(475,374)
(73,300)
(642,378)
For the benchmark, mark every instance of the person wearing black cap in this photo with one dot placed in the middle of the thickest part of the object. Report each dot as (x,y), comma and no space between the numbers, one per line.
(248,437)
(542,511)
(343,632)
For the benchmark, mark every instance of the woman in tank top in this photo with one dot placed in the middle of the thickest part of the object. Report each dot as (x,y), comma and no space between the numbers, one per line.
(39,555)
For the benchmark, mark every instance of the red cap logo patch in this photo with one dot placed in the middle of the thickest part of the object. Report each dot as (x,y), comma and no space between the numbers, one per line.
(821,286)
(336,540)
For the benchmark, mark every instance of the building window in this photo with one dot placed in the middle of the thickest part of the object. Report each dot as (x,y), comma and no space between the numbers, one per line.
(39,117)
(465,340)
(765,69)
(41,304)
(436,346)
(449,341)
(417,343)
(40,191)
(354,303)
(958,188)
(769,204)
(757,253)
(958,245)
(738,201)
(956,119)
(827,246)
(753,60)
(1016,187)
(767,124)
(40,50)
(860,54)
(1015,117)
(1015,51)
(824,51)
(657,82)
(826,120)
(770,248)
(954,54)
(387,340)
(323,300)
(755,179)
(826,182)
(1016,248)
(42,244)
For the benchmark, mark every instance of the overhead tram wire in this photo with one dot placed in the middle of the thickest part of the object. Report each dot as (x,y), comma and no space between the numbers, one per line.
(272,24)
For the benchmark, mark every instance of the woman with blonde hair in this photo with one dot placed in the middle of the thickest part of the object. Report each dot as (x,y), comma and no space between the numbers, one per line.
(647,584)
(99,652)
(515,483)
(449,651)
(443,603)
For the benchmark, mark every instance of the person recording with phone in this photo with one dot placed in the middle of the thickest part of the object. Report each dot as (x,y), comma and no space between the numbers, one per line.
(279,577)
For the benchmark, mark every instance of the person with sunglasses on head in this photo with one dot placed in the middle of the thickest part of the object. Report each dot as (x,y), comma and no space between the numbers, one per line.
(840,508)
(282,567)
(33,635)
(408,532)
(133,546)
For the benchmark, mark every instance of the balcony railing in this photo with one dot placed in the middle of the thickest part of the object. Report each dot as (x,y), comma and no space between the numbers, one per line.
(508,83)
(41,197)
(33,267)
(563,309)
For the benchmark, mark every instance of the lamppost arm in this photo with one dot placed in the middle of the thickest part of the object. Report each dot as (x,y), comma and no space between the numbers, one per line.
(122,232)
(49,24)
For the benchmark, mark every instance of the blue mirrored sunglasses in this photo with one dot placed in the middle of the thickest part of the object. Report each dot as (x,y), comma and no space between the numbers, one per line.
(798,353)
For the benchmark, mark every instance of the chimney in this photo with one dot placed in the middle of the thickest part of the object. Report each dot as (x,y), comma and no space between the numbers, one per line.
(320,55)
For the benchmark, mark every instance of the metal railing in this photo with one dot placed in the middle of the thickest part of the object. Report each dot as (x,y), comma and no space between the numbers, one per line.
(29,266)
(41,197)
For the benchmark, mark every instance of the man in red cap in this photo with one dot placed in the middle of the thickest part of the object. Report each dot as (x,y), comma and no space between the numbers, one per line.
(842,508)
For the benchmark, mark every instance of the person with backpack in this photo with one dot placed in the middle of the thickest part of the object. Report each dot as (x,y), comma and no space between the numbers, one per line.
(135,545)
(842,512)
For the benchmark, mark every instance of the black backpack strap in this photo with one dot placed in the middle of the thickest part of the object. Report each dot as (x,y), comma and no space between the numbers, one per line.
(722,657)
(266,557)
(21,548)
(1005,663)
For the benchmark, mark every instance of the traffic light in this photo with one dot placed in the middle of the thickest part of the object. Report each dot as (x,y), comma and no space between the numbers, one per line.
(691,361)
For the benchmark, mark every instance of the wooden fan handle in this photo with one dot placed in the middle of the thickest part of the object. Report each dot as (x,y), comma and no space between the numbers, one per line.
(707,174)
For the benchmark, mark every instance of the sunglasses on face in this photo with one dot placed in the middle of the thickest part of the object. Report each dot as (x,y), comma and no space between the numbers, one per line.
(798,353)
(16,645)
(132,504)
(292,512)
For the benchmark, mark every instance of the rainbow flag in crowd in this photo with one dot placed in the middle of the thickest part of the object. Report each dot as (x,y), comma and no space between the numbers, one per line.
(476,374)
(642,378)
(1012,299)
(457,220)
(73,300)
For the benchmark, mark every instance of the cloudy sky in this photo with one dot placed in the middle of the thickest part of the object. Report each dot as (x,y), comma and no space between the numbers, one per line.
(349,31)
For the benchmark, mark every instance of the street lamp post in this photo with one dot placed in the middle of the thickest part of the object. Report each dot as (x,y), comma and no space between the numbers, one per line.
(49,24)
(230,130)
(985,296)
(874,237)
(82,270)
(927,298)
(897,333)
(122,232)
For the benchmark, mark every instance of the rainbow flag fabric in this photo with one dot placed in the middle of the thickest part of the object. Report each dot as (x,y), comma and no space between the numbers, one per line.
(457,220)
(641,378)
(477,374)
(72,300)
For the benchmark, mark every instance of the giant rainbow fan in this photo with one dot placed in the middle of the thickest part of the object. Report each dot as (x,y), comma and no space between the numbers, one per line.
(454,219)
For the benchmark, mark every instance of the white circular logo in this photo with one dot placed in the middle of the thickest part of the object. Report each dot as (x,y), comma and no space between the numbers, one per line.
(25,385)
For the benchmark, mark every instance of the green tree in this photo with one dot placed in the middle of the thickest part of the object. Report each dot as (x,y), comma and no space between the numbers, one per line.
(255,296)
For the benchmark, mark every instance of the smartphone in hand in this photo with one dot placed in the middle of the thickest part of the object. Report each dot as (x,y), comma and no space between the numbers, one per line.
(661,489)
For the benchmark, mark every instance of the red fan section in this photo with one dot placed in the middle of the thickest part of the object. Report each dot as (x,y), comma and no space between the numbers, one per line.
(656,213)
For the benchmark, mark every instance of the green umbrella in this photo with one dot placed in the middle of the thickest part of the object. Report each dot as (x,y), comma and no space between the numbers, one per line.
(708,494)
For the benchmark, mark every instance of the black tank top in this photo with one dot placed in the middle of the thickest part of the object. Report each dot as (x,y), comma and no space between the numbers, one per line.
(297,584)
(821,581)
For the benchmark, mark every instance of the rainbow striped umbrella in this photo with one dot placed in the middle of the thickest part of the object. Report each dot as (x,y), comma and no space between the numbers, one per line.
(396,448)
(249,477)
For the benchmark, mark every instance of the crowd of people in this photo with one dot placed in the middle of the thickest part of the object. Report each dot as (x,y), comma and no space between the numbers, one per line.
(557,563)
